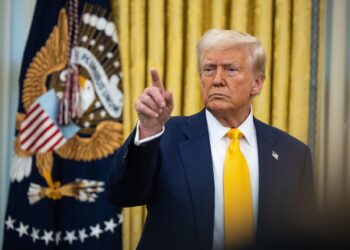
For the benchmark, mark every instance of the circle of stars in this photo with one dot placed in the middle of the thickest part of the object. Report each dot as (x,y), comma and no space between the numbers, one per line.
(50,236)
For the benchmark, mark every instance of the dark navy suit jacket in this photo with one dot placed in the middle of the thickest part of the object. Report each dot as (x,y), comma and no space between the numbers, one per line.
(173,176)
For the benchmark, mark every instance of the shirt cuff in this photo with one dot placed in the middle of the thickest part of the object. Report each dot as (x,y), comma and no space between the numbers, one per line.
(137,140)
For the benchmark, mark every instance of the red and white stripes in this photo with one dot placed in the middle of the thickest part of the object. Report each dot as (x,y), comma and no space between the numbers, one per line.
(39,133)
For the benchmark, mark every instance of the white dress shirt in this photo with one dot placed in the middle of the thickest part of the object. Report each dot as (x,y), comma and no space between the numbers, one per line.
(218,145)
(138,141)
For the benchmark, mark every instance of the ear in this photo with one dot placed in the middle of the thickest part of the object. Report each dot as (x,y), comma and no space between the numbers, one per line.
(257,84)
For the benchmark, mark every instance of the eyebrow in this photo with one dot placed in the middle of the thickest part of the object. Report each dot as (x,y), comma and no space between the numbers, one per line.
(210,63)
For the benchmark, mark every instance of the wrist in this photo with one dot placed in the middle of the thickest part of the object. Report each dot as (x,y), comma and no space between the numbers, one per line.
(145,132)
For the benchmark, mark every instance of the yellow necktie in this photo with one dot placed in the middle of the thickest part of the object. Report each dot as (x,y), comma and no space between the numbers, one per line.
(238,209)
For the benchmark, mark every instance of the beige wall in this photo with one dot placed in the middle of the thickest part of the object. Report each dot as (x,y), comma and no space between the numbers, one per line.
(15,20)
(4,100)
(334,139)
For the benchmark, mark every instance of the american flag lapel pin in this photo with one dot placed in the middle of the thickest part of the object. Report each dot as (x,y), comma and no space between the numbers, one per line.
(274,155)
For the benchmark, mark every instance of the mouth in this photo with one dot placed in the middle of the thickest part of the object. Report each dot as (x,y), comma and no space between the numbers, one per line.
(218,96)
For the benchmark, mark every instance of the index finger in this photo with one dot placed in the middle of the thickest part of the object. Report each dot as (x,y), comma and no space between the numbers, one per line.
(156,82)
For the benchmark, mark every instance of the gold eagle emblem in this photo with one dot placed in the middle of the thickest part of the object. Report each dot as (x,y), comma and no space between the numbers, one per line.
(102,130)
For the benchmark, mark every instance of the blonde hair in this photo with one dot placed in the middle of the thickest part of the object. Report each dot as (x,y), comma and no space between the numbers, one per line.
(225,39)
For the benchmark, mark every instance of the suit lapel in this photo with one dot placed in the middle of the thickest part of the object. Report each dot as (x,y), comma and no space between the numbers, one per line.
(269,174)
(197,161)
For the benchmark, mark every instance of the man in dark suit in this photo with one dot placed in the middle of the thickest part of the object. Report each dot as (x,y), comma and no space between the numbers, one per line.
(177,166)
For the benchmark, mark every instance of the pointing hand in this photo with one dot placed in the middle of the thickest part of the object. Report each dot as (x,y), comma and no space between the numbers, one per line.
(154,107)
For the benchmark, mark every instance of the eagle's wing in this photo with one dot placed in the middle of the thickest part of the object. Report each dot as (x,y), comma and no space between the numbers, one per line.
(49,59)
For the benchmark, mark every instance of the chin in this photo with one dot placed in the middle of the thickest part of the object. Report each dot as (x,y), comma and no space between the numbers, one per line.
(217,109)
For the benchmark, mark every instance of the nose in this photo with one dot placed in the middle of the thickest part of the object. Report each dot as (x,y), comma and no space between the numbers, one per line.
(218,78)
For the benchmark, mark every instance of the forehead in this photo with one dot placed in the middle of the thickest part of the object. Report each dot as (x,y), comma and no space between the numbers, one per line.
(230,55)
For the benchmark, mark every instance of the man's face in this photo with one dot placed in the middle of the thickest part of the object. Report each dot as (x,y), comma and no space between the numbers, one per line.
(228,81)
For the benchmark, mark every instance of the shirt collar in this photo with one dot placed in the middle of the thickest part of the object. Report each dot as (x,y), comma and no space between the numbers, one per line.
(217,131)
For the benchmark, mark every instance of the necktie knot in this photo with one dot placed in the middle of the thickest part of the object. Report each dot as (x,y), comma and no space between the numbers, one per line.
(234,133)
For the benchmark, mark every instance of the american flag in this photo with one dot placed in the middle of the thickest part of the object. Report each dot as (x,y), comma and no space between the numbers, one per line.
(39,132)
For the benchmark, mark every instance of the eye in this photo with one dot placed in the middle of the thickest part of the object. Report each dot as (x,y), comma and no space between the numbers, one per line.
(208,70)
(231,70)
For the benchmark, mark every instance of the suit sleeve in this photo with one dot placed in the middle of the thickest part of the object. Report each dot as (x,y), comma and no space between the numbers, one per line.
(308,188)
(130,182)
